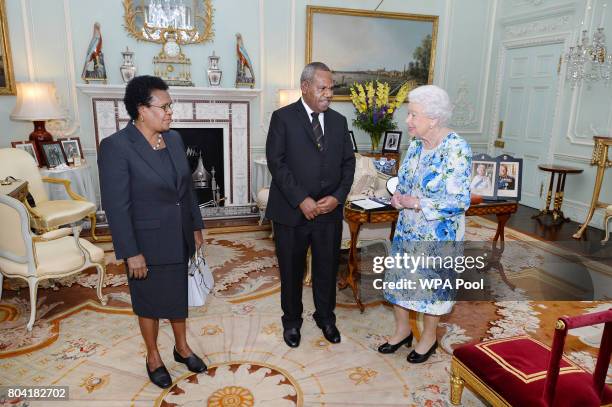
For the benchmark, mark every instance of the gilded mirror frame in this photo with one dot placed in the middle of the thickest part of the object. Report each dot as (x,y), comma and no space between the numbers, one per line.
(185,37)
(7,81)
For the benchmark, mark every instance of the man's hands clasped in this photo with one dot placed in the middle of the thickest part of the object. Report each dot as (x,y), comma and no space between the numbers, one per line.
(311,208)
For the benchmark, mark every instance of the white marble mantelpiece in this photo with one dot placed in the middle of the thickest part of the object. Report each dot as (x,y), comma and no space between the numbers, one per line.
(225,108)
(178,92)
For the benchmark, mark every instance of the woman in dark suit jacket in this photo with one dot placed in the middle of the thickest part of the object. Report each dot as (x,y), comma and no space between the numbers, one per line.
(154,219)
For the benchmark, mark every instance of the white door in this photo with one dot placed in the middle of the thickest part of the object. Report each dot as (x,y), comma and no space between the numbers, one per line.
(528,101)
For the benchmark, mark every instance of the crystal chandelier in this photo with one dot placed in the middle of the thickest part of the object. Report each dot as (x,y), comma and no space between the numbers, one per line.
(590,62)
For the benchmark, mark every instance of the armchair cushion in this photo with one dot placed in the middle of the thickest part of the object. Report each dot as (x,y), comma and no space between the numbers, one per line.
(62,212)
(55,257)
(515,368)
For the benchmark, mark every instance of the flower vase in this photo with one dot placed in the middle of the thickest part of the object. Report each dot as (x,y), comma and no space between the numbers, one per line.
(375,139)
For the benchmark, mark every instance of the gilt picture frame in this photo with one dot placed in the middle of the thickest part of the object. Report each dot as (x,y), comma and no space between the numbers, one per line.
(336,36)
(7,79)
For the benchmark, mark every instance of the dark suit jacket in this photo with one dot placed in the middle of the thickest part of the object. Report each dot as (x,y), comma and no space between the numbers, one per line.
(300,170)
(147,213)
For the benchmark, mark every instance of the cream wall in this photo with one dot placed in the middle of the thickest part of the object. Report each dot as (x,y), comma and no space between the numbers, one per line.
(49,39)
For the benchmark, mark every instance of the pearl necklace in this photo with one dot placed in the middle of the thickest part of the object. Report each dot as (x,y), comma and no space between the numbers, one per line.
(159,141)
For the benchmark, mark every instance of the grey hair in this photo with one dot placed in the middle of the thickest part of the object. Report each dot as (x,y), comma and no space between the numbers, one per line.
(435,101)
(309,71)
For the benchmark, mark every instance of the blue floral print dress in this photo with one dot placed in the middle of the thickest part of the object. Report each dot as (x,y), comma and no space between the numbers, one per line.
(440,178)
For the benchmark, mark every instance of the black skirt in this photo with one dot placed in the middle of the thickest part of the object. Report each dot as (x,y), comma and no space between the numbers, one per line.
(162,294)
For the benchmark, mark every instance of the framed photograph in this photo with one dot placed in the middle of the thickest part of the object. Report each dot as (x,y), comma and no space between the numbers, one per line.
(53,153)
(7,80)
(28,147)
(353,141)
(508,179)
(484,172)
(72,147)
(398,47)
(391,142)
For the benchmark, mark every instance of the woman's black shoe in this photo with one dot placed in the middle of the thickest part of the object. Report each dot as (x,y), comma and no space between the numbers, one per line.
(160,376)
(415,357)
(388,348)
(193,362)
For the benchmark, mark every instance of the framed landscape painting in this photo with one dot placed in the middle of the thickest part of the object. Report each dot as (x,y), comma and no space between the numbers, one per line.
(362,46)
(7,81)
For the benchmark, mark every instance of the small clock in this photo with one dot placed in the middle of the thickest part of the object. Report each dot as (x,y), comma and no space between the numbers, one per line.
(171,48)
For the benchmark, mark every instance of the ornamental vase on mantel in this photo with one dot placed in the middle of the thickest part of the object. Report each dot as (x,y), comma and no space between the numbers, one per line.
(375,139)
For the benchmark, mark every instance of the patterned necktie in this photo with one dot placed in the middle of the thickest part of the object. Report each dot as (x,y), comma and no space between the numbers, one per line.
(318,131)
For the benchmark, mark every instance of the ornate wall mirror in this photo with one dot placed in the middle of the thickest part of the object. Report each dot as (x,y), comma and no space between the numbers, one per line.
(149,20)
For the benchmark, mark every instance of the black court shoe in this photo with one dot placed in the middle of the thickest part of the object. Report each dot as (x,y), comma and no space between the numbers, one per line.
(388,348)
(160,376)
(193,362)
(415,357)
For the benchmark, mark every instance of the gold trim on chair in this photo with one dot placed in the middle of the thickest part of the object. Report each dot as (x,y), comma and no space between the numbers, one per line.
(522,376)
(460,373)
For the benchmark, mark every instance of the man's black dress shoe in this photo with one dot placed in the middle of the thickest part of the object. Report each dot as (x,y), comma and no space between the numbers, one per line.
(292,337)
(193,362)
(331,333)
(388,348)
(415,357)
(160,376)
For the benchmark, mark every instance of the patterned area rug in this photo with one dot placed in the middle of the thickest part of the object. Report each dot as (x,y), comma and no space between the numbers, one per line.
(99,353)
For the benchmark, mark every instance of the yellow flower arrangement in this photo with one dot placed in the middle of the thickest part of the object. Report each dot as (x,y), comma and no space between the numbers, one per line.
(374,110)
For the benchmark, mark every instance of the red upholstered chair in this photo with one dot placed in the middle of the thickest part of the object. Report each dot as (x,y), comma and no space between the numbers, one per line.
(521,371)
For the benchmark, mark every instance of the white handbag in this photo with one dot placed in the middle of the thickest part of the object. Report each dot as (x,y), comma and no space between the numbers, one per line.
(200,280)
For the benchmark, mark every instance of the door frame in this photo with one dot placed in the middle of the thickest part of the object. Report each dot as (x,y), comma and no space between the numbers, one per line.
(557,38)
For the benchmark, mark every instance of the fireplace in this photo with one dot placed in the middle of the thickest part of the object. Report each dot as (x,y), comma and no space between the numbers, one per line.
(204,149)
(198,112)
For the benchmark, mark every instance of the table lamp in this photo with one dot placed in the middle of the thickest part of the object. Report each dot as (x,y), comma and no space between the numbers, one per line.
(287,96)
(36,102)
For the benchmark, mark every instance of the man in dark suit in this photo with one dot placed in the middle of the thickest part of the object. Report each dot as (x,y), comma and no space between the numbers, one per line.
(310,156)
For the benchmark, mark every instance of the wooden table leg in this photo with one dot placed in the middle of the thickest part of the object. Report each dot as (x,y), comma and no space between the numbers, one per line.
(548,197)
(352,264)
(594,199)
(502,218)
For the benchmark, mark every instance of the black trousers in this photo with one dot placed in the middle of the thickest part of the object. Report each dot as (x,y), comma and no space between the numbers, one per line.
(291,247)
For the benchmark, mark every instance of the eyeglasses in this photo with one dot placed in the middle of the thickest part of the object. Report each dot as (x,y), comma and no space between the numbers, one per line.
(167,107)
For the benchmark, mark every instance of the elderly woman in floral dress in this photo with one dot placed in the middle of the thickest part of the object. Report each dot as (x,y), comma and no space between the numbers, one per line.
(432,195)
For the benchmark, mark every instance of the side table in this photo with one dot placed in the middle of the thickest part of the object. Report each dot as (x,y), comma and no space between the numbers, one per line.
(357,217)
(16,189)
(561,171)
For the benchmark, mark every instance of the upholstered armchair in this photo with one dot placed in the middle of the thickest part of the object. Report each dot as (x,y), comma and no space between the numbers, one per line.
(521,371)
(32,257)
(45,214)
